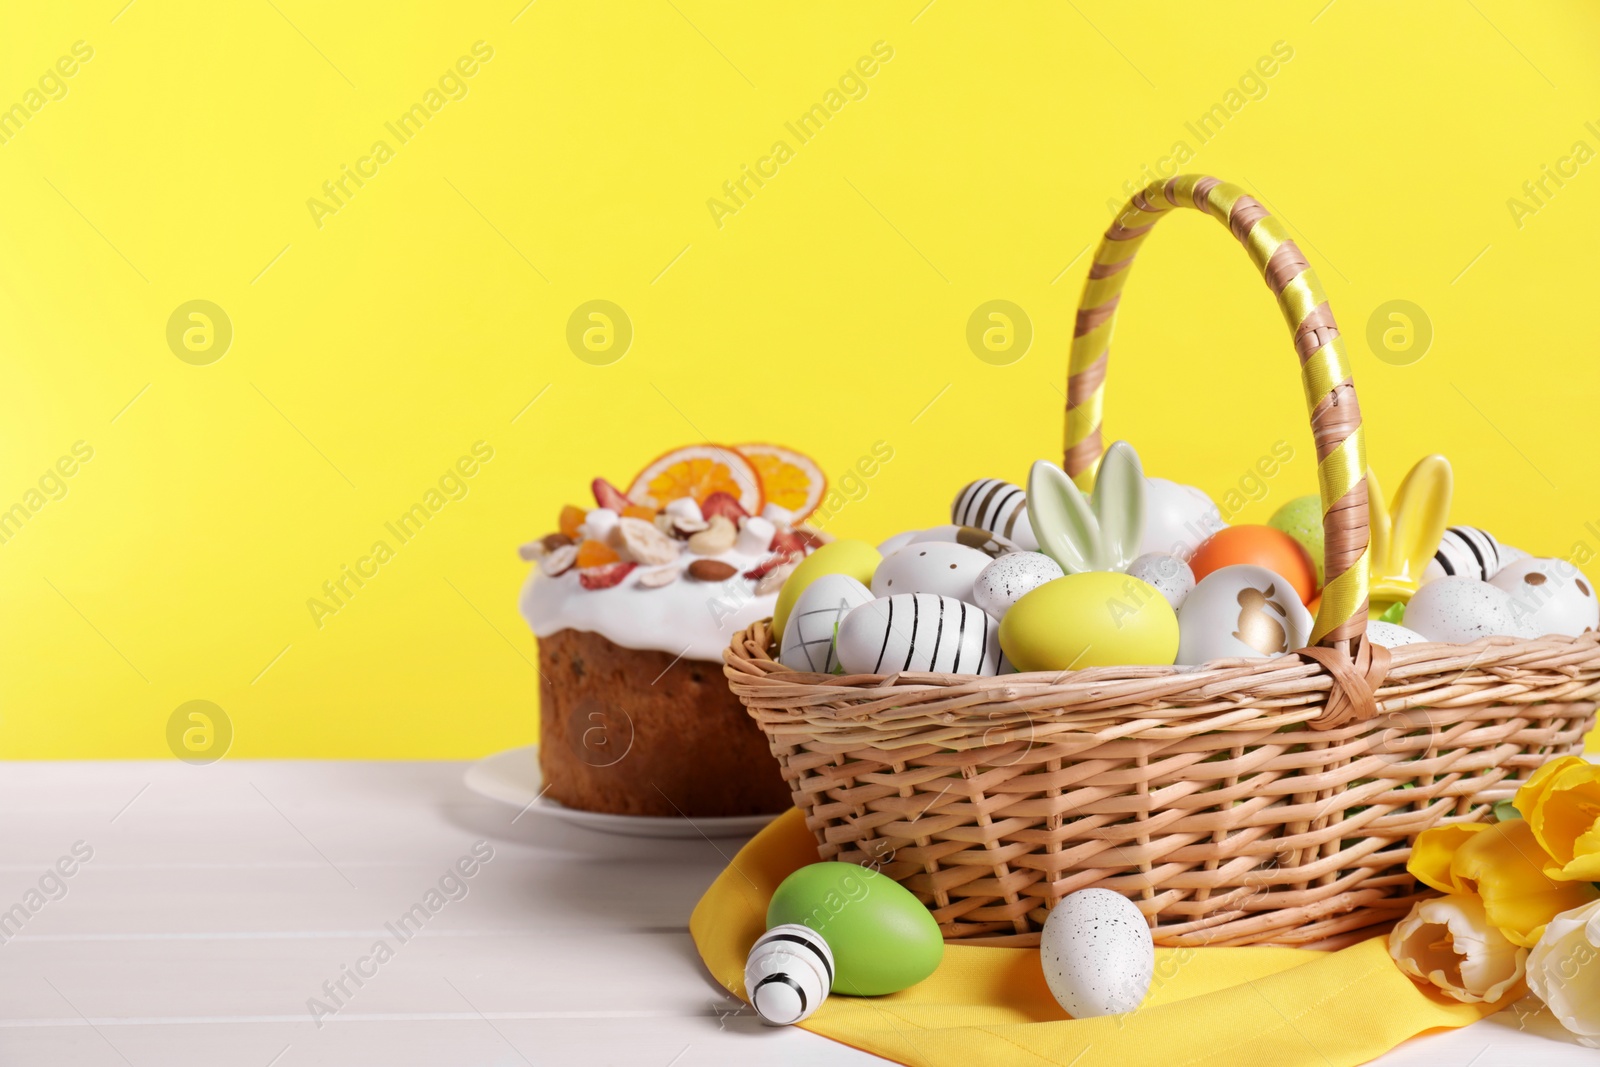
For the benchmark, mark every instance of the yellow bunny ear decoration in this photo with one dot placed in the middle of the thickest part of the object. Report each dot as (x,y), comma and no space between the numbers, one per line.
(1406,533)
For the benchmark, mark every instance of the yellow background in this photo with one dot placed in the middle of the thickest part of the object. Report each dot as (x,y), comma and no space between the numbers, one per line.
(829,312)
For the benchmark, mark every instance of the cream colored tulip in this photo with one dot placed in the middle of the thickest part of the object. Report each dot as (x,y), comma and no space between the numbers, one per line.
(1449,942)
(1564,970)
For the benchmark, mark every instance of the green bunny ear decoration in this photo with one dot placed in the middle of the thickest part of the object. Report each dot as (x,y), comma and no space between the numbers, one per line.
(1097,533)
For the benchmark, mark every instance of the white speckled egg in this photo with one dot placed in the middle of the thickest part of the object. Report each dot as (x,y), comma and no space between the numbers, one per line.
(990,544)
(918,632)
(1241,610)
(808,635)
(1459,610)
(1468,552)
(941,567)
(1003,582)
(1551,595)
(1170,575)
(998,507)
(897,542)
(1176,518)
(1097,953)
(1392,635)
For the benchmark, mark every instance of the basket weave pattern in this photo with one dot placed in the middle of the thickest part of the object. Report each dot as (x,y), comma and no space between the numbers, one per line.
(1264,801)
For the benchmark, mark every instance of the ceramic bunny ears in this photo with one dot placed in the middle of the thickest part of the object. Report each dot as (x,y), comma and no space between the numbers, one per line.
(1096,533)
(1406,533)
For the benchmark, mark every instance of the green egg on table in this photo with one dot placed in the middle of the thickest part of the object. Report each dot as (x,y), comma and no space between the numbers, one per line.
(1093,619)
(883,939)
(1301,519)
(855,558)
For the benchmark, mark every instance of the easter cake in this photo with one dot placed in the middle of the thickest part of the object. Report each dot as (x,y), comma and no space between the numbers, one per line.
(633,600)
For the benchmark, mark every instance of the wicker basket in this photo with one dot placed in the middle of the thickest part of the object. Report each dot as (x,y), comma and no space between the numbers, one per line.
(1269,801)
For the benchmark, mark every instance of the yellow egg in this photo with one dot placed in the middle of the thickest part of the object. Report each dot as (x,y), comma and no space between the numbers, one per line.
(1095,619)
(855,558)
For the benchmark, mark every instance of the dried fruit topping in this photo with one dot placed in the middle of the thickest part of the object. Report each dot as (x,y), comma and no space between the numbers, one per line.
(724,504)
(765,567)
(571,519)
(607,495)
(657,578)
(596,554)
(790,480)
(794,542)
(559,561)
(543,547)
(697,472)
(604,577)
(641,542)
(715,539)
(639,511)
(773,580)
(711,570)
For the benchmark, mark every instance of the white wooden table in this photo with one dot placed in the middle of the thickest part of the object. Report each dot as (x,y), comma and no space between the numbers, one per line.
(220,899)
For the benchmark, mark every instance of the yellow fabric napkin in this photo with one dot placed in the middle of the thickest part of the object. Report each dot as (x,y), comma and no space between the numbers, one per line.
(1220,1007)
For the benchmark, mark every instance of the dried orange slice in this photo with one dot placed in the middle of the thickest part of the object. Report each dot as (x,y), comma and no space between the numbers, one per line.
(698,471)
(789,479)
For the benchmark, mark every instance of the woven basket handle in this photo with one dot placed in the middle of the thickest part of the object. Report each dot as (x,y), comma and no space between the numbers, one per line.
(1324,371)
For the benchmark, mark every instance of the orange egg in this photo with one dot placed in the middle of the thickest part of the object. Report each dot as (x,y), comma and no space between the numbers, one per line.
(1262,546)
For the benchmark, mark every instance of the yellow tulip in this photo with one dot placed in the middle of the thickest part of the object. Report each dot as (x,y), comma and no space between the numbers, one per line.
(1504,865)
(1431,856)
(1561,804)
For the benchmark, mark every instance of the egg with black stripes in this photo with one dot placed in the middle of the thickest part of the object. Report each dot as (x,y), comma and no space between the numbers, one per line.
(997,506)
(1468,552)
(918,632)
(808,635)
(788,973)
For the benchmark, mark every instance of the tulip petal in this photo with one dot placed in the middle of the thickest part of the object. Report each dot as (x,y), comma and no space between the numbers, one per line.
(1449,943)
(1506,865)
(1564,970)
(1435,848)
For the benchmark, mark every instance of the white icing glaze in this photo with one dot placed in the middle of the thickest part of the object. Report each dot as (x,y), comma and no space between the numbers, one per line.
(685,617)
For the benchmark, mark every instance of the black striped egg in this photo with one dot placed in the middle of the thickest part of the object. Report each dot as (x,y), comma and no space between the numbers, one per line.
(1468,552)
(918,632)
(997,506)
(788,974)
(808,635)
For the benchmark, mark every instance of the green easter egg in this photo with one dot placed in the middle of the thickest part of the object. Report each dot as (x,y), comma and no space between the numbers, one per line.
(855,558)
(883,939)
(1301,519)
(1094,619)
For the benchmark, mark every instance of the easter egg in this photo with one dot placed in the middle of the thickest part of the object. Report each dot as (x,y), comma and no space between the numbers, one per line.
(1093,619)
(1005,581)
(1241,610)
(1468,552)
(1260,546)
(1551,595)
(883,940)
(998,507)
(1457,610)
(943,568)
(808,637)
(1097,953)
(788,974)
(1170,575)
(1392,635)
(898,541)
(990,544)
(855,558)
(1301,519)
(918,632)
(1177,518)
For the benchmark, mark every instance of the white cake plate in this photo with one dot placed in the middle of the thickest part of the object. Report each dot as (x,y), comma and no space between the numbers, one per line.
(512,777)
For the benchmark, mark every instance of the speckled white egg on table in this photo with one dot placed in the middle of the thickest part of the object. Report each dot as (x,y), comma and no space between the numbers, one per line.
(1392,635)
(1005,581)
(815,618)
(1551,595)
(1241,610)
(941,567)
(897,542)
(918,632)
(1170,576)
(990,544)
(1097,953)
(998,507)
(1177,518)
(1460,610)
(1468,552)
